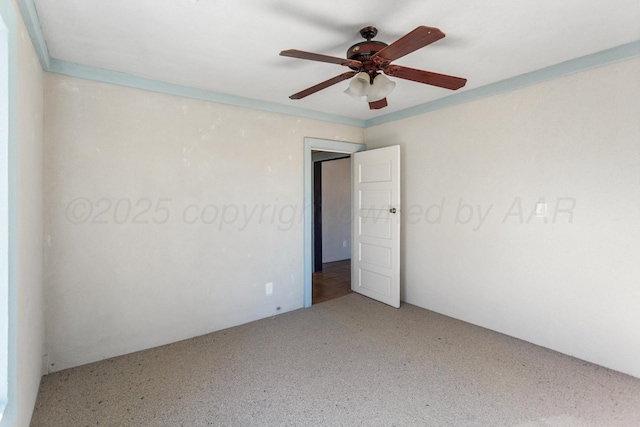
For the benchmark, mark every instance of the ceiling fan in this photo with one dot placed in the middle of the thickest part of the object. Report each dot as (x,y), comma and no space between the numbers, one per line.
(369,57)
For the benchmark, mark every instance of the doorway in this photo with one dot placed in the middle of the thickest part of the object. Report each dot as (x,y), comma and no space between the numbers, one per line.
(332,226)
(330,148)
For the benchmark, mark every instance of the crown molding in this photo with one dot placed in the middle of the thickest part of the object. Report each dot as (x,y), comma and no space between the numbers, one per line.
(32,22)
(609,56)
(123,79)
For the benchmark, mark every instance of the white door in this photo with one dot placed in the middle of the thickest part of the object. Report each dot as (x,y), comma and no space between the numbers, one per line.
(375,258)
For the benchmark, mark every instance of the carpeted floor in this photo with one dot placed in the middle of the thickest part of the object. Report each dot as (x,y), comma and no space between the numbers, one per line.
(347,362)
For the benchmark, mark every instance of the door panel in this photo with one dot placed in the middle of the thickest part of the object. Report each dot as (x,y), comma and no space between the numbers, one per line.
(377,172)
(374,282)
(375,259)
(374,254)
(373,198)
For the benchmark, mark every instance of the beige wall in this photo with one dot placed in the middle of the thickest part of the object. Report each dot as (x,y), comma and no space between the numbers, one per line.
(29,223)
(166,217)
(472,175)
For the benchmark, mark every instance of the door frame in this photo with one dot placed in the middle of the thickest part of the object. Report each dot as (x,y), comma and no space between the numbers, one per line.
(310,145)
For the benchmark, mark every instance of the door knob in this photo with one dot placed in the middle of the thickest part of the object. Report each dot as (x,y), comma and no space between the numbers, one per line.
(392,210)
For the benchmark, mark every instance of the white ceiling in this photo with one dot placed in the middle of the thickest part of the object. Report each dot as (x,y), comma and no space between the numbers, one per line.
(232,46)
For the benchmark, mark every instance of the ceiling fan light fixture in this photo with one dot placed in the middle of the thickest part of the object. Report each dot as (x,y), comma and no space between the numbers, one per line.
(352,94)
(360,85)
(380,88)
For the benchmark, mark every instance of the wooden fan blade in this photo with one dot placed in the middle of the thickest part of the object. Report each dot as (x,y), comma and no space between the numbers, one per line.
(376,105)
(427,77)
(293,53)
(323,85)
(420,37)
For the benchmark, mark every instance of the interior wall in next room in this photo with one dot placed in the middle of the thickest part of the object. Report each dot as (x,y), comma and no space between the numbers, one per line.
(336,210)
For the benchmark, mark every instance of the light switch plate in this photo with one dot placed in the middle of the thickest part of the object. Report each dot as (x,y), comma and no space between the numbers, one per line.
(541,210)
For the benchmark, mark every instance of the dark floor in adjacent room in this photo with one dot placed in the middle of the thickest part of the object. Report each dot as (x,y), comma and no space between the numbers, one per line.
(334,281)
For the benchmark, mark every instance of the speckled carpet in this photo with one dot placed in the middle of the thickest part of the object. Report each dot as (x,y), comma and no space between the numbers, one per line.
(347,362)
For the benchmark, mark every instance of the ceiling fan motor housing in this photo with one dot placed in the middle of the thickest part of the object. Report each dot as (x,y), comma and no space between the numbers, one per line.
(363,51)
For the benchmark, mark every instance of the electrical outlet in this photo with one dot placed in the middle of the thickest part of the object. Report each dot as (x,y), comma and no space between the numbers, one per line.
(268,288)
(344,243)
